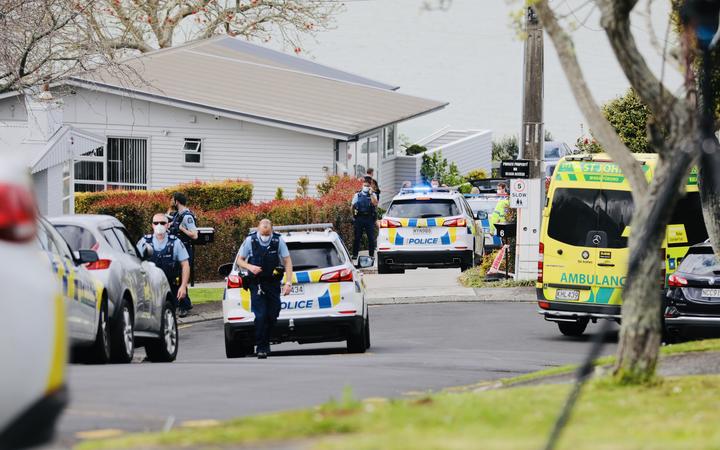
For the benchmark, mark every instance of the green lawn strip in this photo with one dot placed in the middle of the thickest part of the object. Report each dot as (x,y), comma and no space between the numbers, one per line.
(475,278)
(674,413)
(205,295)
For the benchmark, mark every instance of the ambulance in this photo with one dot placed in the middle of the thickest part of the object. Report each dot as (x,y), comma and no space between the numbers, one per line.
(584,239)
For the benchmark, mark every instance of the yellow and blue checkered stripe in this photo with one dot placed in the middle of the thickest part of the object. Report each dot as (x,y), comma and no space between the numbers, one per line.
(329,299)
(395,238)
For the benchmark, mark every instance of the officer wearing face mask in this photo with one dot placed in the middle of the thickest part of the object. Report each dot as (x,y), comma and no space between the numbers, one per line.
(262,252)
(168,253)
(364,204)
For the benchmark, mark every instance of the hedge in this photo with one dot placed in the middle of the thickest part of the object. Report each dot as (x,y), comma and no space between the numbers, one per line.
(207,196)
(135,209)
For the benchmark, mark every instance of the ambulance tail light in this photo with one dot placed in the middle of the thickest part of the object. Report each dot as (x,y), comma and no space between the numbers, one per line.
(100,264)
(389,223)
(541,262)
(337,276)
(677,281)
(460,222)
(18,215)
(234,282)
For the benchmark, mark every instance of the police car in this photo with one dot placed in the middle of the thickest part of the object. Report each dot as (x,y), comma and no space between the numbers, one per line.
(482,206)
(326,304)
(426,227)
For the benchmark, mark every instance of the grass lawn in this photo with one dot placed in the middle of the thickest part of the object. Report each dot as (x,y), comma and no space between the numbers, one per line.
(205,295)
(475,278)
(675,413)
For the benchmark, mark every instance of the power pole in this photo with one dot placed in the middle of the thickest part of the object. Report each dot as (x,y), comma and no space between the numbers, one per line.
(533,134)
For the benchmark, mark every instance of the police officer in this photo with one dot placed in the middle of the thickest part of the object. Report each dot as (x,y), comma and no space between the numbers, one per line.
(364,204)
(261,254)
(183,225)
(501,207)
(168,253)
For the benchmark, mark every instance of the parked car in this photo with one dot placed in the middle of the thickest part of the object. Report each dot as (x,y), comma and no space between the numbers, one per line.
(326,304)
(33,326)
(140,304)
(553,151)
(693,294)
(482,206)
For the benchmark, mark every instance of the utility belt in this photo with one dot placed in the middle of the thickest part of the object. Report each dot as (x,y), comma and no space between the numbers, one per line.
(364,214)
(250,280)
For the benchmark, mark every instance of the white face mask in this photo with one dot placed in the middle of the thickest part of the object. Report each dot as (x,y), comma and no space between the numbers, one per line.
(265,239)
(366,189)
(159,229)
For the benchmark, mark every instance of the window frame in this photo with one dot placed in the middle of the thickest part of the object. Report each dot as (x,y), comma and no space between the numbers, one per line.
(197,151)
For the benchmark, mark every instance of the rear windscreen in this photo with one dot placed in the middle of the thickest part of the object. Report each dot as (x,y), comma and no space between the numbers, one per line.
(688,212)
(422,209)
(701,263)
(314,255)
(77,237)
(579,215)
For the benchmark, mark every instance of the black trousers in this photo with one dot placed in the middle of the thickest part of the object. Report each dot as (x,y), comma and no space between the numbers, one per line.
(185,302)
(364,224)
(266,307)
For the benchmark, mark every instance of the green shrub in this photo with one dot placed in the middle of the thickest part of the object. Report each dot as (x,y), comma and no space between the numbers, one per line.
(465,188)
(477,174)
(328,185)
(279,193)
(303,187)
(415,149)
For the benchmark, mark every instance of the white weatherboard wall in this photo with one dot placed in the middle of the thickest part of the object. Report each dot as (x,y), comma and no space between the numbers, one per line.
(471,152)
(268,157)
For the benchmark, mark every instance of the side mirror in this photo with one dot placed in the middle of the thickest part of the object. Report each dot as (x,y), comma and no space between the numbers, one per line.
(481,215)
(365,261)
(225,269)
(86,256)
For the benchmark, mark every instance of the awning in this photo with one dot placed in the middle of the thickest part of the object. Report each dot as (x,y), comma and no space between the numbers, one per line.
(66,144)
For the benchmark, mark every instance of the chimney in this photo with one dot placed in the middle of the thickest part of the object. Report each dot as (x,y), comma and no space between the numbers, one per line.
(44,115)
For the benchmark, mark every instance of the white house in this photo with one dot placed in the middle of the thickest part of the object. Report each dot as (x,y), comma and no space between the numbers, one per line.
(208,110)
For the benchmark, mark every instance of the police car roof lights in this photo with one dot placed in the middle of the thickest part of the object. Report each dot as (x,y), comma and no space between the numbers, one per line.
(426,190)
(327,227)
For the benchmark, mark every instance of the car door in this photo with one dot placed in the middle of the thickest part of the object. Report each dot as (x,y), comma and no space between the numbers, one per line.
(477,229)
(138,275)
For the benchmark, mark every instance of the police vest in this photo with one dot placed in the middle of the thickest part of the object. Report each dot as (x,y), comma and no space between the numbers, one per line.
(165,259)
(267,257)
(364,206)
(175,226)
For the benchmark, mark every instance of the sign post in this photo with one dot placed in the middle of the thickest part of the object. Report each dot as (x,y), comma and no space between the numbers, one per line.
(515,168)
(519,194)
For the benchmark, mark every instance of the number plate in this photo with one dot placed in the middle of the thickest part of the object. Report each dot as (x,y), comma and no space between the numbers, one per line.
(567,294)
(710,293)
(422,230)
(297,289)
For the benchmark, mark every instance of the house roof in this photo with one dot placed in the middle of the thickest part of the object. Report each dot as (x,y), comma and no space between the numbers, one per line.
(223,75)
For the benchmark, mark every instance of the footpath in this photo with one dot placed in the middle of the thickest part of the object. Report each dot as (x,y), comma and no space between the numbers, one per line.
(413,287)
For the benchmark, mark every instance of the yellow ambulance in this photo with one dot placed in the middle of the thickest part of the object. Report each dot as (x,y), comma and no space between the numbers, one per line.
(583,244)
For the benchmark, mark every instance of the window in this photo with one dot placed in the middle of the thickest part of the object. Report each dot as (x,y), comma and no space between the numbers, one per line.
(127,245)
(389,141)
(423,209)
(192,151)
(688,212)
(126,163)
(701,261)
(314,255)
(77,237)
(112,239)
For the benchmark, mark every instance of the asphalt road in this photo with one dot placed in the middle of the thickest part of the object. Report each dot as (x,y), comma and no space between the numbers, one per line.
(414,348)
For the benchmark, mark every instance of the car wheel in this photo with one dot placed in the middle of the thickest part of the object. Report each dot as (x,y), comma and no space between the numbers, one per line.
(357,341)
(237,349)
(573,328)
(367,332)
(166,347)
(122,337)
(99,353)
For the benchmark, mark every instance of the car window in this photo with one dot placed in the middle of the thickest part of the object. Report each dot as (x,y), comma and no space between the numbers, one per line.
(125,241)
(78,238)
(112,239)
(422,209)
(591,212)
(314,255)
(552,152)
(688,212)
(44,241)
(701,263)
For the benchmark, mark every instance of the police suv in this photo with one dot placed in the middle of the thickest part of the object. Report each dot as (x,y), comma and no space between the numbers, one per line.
(426,227)
(326,303)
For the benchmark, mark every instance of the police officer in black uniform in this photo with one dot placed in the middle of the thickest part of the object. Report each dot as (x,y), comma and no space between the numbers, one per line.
(183,224)
(261,254)
(168,253)
(364,204)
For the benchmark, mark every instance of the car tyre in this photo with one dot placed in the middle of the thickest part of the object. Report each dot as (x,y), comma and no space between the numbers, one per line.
(166,347)
(99,352)
(237,349)
(122,340)
(358,341)
(573,328)
(367,332)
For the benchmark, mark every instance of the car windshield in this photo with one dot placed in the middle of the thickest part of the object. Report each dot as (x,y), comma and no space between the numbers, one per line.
(688,212)
(579,215)
(423,209)
(314,255)
(701,262)
(552,152)
(77,237)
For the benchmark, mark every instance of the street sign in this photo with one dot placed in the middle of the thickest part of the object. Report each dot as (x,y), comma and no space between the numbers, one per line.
(518,194)
(515,168)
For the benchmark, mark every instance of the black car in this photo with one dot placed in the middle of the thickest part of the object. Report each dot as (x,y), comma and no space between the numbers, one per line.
(693,295)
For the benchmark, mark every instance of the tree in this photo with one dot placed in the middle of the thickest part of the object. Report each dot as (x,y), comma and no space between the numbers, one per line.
(505,148)
(629,117)
(434,166)
(673,135)
(149,25)
(40,42)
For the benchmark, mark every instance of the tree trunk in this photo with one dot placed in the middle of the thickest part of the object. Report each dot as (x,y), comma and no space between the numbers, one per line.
(709,178)
(641,330)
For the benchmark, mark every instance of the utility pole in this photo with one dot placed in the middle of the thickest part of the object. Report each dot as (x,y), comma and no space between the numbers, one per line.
(533,133)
